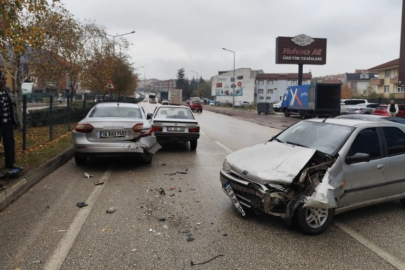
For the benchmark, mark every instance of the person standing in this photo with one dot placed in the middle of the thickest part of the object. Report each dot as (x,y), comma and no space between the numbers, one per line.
(392,109)
(7,122)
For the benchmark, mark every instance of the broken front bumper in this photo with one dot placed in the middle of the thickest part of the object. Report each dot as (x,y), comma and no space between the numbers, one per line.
(251,195)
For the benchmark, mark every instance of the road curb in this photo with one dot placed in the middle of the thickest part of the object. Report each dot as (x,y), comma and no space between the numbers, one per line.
(31,177)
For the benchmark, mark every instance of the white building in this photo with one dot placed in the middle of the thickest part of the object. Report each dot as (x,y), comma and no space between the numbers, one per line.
(245,85)
(271,87)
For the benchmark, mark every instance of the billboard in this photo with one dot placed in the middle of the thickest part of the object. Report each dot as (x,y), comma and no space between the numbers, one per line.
(301,49)
(223,86)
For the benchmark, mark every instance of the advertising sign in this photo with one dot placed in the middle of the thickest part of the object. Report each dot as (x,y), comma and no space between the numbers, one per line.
(224,84)
(301,49)
(299,98)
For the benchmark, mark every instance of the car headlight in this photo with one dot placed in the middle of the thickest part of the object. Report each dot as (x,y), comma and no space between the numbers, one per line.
(226,166)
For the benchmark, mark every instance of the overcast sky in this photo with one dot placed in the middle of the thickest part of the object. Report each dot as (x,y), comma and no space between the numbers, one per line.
(190,34)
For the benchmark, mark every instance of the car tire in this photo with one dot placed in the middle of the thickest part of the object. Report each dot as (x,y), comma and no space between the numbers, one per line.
(303,115)
(147,158)
(193,145)
(286,114)
(402,201)
(313,221)
(80,160)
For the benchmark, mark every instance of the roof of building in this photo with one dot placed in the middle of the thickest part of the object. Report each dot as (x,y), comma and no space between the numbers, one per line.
(361,76)
(283,76)
(332,81)
(390,64)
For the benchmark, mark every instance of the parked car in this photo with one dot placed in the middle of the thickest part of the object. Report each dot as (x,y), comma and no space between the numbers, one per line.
(373,118)
(165,102)
(60,99)
(242,104)
(382,110)
(214,103)
(362,108)
(175,123)
(111,129)
(277,106)
(318,168)
(344,103)
(195,105)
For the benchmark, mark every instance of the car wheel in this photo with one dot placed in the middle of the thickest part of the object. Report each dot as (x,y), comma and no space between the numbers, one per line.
(193,145)
(303,115)
(147,158)
(313,220)
(80,160)
(402,201)
(286,114)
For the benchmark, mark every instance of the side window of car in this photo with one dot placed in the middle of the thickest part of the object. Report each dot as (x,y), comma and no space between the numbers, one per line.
(395,139)
(368,142)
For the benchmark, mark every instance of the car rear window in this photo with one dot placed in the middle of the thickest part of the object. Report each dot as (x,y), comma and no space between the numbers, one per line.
(116,112)
(174,113)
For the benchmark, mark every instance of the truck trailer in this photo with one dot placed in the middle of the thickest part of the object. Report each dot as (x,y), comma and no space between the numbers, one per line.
(312,100)
(175,96)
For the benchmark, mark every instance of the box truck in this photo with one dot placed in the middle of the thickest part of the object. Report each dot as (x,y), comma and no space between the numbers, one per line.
(175,96)
(312,100)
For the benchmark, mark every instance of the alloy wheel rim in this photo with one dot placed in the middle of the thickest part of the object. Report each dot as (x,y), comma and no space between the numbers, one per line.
(316,217)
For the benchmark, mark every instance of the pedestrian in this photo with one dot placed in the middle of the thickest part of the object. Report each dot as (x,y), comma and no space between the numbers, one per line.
(7,123)
(392,109)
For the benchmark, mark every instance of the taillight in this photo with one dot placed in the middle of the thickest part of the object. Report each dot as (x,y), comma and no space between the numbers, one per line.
(196,129)
(84,128)
(157,128)
(138,128)
(147,132)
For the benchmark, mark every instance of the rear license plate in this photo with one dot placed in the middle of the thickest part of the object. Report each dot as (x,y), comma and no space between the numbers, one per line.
(175,129)
(233,198)
(112,134)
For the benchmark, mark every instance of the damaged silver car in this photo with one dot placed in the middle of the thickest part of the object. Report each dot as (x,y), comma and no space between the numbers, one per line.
(114,129)
(318,168)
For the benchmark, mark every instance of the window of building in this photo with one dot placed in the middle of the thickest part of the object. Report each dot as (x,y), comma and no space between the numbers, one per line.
(260,91)
(294,82)
(269,91)
(239,77)
(268,98)
(386,88)
(261,82)
(387,73)
(399,89)
(261,98)
(395,139)
(271,82)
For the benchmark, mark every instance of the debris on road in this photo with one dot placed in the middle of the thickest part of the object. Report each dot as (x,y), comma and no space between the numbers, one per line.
(86,175)
(162,219)
(179,190)
(161,191)
(193,263)
(190,238)
(133,250)
(171,195)
(170,174)
(62,230)
(36,262)
(182,172)
(172,188)
(111,210)
(81,204)
(98,183)
(164,164)
(225,234)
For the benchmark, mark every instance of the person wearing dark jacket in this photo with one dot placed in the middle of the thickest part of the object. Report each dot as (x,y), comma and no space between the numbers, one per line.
(7,123)
(392,109)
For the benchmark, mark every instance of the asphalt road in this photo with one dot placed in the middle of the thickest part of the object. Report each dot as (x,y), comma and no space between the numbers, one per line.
(194,221)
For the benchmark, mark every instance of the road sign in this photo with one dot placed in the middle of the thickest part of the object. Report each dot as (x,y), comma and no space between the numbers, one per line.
(233,86)
(110,85)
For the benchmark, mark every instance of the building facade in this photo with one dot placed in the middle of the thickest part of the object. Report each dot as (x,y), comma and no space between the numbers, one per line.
(221,87)
(271,87)
(387,82)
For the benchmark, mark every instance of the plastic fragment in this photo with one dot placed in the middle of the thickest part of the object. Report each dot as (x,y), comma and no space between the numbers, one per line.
(98,183)
(182,172)
(161,191)
(86,175)
(81,204)
(172,188)
(62,230)
(193,263)
(36,262)
(179,190)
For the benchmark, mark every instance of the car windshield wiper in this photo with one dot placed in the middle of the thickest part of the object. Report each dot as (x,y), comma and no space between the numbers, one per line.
(276,139)
(297,144)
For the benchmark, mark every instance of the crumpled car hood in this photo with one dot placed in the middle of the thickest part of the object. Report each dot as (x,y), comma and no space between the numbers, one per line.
(271,162)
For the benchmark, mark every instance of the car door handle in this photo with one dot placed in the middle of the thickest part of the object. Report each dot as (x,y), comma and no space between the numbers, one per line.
(380,166)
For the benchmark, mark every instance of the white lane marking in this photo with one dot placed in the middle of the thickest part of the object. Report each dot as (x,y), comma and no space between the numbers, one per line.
(66,243)
(223,146)
(368,244)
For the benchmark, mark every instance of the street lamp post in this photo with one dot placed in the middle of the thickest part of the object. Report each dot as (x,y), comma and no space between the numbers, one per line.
(132,32)
(197,82)
(234,79)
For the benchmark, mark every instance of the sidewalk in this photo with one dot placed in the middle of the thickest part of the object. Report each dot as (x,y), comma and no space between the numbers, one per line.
(274,120)
(15,187)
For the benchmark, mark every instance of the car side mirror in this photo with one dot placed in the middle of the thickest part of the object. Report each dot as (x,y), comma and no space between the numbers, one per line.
(358,157)
(148,116)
